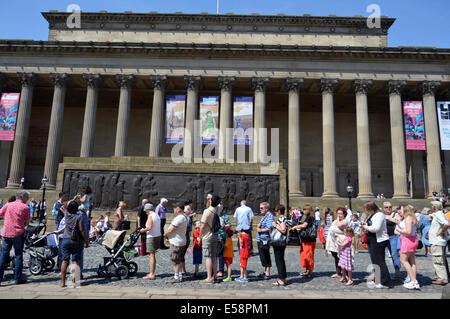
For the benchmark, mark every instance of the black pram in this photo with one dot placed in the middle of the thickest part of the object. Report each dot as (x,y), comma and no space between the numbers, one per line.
(41,249)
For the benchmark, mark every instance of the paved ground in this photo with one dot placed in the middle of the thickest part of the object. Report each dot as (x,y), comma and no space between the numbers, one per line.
(321,286)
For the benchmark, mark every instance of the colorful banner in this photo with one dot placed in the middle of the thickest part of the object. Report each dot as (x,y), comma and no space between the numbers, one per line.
(175,106)
(209,115)
(243,120)
(443,111)
(9,105)
(414,125)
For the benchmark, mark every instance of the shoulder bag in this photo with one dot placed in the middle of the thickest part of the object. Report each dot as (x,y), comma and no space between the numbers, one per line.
(277,238)
(310,232)
(76,235)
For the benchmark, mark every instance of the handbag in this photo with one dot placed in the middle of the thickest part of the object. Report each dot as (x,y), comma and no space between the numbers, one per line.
(309,233)
(277,238)
(293,238)
(76,235)
(364,238)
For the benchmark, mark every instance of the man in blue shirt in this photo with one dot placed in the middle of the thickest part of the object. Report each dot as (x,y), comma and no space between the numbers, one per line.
(262,239)
(244,218)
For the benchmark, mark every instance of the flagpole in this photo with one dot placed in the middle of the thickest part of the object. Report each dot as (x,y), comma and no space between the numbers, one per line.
(217,7)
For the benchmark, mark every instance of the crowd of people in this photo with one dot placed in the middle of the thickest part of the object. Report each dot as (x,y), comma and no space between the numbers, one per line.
(393,231)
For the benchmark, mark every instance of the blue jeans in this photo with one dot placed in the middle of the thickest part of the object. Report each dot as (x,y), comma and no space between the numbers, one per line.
(7,244)
(393,250)
(220,257)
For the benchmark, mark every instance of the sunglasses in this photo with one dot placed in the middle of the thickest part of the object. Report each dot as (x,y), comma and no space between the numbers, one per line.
(388,207)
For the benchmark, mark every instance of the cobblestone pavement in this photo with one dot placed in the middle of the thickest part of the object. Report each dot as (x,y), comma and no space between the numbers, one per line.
(321,286)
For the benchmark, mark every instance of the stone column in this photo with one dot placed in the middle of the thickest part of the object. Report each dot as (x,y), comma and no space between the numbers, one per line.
(294,168)
(156,130)
(327,87)
(259,141)
(399,169)
(5,146)
(87,140)
(192,86)
(55,132)
(27,80)
(226,117)
(362,133)
(125,82)
(432,138)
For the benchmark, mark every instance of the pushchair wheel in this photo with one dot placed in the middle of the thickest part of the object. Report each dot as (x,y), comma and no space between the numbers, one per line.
(122,272)
(132,268)
(49,264)
(101,272)
(35,267)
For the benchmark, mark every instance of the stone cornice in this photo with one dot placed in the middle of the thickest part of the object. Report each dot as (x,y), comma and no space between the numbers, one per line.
(149,18)
(174,49)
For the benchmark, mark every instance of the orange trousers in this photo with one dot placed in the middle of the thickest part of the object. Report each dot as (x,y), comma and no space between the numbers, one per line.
(307,255)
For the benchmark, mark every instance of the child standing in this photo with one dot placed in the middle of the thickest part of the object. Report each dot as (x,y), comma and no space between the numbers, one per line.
(228,253)
(345,256)
(355,224)
(244,253)
(197,249)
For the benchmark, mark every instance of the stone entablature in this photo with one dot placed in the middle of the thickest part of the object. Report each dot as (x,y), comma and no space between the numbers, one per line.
(232,29)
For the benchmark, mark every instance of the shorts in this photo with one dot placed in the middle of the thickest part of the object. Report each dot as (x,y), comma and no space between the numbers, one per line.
(176,254)
(197,256)
(153,244)
(243,262)
(209,249)
(408,244)
(183,252)
(227,260)
(70,248)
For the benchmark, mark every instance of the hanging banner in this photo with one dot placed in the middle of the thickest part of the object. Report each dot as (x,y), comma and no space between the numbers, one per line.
(414,125)
(209,115)
(443,111)
(243,120)
(9,105)
(175,106)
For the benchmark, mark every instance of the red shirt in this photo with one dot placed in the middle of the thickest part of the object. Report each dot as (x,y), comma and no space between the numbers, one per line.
(244,241)
(197,245)
(15,214)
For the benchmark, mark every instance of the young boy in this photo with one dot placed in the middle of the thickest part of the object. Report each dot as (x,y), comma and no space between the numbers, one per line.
(228,253)
(355,224)
(244,253)
(197,249)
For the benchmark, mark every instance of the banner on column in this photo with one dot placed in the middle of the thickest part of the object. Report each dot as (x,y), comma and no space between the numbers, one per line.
(175,106)
(444,124)
(209,114)
(9,105)
(414,125)
(243,120)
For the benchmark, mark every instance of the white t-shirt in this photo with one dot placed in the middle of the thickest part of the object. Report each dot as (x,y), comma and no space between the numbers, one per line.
(156,227)
(317,215)
(379,227)
(439,220)
(178,237)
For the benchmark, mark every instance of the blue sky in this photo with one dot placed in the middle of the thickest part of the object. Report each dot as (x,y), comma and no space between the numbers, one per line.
(419,23)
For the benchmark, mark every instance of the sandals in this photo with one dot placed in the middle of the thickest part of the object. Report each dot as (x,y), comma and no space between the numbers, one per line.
(278,283)
(349,283)
(335,276)
(149,277)
(342,280)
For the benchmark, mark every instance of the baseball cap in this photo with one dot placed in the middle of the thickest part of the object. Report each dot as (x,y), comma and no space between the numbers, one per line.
(148,206)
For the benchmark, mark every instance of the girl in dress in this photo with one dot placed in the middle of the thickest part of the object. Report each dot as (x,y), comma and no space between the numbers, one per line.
(345,256)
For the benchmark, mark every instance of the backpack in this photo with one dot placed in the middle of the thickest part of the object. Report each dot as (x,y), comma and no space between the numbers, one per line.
(215,224)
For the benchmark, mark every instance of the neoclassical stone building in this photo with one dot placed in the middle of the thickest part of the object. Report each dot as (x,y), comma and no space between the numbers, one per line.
(93,98)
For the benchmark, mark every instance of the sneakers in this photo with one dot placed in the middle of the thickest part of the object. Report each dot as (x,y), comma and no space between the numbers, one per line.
(371,284)
(241,279)
(238,279)
(380,286)
(407,280)
(412,285)
(228,279)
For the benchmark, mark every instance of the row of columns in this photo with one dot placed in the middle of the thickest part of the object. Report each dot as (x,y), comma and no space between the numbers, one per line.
(259,84)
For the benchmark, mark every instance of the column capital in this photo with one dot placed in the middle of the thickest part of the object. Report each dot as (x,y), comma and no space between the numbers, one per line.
(192,82)
(60,79)
(430,87)
(125,81)
(27,79)
(328,85)
(395,86)
(159,82)
(259,83)
(362,86)
(92,80)
(226,82)
(294,84)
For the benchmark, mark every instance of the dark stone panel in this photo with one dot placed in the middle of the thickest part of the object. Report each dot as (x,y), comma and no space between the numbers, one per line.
(108,188)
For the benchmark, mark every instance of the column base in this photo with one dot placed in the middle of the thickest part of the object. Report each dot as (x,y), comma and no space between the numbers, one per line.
(401,196)
(366,196)
(296,195)
(330,195)
(48,187)
(13,185)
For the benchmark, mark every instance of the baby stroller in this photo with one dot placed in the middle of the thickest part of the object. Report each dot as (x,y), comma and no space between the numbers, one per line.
(122,252)
(41,249)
